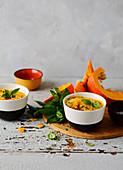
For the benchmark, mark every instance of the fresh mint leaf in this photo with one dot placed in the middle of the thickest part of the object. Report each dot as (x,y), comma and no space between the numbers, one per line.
(40,103)
(32,108)
(86,101)
(52,120)
(49,106)
(59,114)
(53,109)
(13,92)
(63,95)
(55,100)
(54,94)
(57,90)
(47,111)
(36,114)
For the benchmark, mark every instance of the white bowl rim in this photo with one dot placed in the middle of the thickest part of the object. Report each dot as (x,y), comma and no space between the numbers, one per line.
(17,99)
(80,93)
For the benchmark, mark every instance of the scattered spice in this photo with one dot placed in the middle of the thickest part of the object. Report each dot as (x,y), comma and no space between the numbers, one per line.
(70,143)
(33,119)
(41,125)
(22,130)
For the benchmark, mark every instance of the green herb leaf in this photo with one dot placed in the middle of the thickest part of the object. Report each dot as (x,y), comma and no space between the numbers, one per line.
(96,105)
(57,90)
(59,114)
(53,109)
(49,106)
(55,100)
(49,148)
(13,92)
(66,129)
(52,120)
(89,144)
(47,111)
(86,101)
(36,114)
(63,95)
(54,94)
(40,103)
(32,108)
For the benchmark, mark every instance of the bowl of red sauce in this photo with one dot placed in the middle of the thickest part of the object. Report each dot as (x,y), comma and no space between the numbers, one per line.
(28,77)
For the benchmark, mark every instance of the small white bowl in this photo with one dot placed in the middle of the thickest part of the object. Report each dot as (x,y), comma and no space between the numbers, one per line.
(84,120)
(13,109)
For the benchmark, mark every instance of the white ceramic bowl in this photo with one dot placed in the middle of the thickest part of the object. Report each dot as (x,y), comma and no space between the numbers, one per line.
(84,120)
(13,109)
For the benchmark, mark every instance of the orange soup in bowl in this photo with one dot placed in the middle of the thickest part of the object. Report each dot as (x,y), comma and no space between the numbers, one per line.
(83,103)
(15,94)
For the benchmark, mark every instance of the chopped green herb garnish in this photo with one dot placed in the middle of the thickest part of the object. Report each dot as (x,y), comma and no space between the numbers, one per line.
(70,126)
(51,136)
(53,145)
(66,129)
(49,148)
(89,144)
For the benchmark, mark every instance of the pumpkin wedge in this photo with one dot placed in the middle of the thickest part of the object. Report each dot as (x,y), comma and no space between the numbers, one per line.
(88,73)
(94,86)
(82,86)
(69,86)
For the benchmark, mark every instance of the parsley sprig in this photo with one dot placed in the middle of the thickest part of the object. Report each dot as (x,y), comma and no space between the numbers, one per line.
(9,95)
(53,109)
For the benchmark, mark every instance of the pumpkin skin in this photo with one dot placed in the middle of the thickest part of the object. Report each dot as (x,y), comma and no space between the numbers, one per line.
(94,86)
(69,86)
(82,86)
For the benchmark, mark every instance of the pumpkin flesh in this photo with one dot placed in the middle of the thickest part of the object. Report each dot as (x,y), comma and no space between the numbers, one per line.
(82,86)
(69,86)
(95,87)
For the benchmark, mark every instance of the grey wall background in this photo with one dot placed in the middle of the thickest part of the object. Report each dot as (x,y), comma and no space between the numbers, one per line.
(59,36)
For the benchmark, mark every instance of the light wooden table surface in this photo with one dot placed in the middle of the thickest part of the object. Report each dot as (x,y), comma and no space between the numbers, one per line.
(29,150)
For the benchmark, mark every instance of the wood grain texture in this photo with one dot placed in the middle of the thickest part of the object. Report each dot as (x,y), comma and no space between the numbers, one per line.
(106,130)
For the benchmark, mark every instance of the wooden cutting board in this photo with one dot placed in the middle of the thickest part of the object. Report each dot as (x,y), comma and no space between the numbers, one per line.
(107,129)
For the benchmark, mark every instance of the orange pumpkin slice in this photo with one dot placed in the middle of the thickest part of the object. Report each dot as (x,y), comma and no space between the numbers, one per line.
(69,86)
(95,87)
(81,86)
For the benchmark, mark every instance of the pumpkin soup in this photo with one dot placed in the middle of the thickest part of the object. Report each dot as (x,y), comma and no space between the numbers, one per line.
(15,94)
(83,103)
